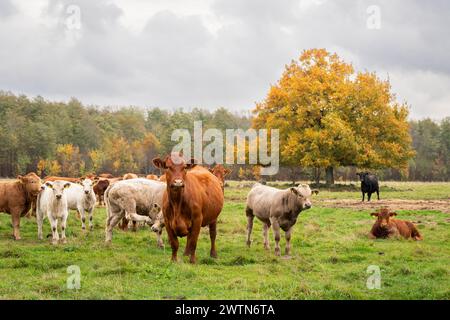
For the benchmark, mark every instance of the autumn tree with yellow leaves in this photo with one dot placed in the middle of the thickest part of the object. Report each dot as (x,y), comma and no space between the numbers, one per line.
(330,116)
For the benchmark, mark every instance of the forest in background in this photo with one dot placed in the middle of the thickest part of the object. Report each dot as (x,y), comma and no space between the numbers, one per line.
(70,139)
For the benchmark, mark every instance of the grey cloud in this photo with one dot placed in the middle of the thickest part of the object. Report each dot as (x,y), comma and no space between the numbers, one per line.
(176,61)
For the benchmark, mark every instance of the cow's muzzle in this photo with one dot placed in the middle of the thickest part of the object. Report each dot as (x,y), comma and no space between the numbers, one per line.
(58,196)
(177,183)
(86,191)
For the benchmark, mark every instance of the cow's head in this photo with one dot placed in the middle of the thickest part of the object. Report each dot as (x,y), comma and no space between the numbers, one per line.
(175,169)
(383,216)
(87,185)
(31,182)
(158,222)
(303,193)
(362,175)
(58,188)
(220,172)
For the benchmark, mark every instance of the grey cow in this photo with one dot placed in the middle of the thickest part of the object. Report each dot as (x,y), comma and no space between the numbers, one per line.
(137,200)
(279,208)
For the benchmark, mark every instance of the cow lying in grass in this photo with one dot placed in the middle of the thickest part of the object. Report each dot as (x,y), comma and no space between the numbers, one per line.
(279,208)
(387,227)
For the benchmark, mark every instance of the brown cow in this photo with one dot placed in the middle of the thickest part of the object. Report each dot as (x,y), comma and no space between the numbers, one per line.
(106,175)
(152,177)
(99,190)
(128,176)
(16,198)
(220,172)
(387,227)
(54,178)
(193,199)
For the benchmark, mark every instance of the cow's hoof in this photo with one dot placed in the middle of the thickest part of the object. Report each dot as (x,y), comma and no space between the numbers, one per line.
(249,243)
(64,241)
(54,242)
(277,253)
(213,255)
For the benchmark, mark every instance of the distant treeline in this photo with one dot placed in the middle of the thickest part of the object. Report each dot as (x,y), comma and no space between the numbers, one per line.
(56,138)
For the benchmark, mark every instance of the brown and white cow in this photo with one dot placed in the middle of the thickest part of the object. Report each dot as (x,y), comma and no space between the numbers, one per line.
(193,199)
(17,197)
(387,227)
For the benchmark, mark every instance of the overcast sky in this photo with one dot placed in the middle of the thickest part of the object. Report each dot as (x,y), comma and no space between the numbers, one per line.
(213,53)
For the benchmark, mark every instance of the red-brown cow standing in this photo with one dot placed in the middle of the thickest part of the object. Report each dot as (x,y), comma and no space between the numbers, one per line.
(16,198)
(220,172)
(193,199)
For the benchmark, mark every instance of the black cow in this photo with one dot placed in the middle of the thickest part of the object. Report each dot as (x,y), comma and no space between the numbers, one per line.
(369,185)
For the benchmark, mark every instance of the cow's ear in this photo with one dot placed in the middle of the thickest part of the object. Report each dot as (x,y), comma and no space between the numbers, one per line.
(392,214)
(315,191)
(67,185)
(375,214)
(158,163)
(191,163)
(20,178)
(49,184)
(294,191)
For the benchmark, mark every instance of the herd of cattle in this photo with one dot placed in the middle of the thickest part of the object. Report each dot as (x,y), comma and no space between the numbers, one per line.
(184,199)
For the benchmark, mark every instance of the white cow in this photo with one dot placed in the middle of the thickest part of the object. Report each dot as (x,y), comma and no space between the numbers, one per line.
(52,201)
(81,197)
(279,208)
(137,200)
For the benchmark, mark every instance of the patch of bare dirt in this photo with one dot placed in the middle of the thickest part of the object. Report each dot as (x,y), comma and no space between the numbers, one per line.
(393,204)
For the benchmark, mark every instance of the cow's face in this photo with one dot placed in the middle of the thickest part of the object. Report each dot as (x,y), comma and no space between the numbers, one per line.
(158,223)
(58,187)
(362,175)
(87,185)
(220,172)
(175,169)
(303,193)
(383,217)
(31,182)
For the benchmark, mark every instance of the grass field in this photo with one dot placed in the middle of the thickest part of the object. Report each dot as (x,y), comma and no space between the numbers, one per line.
(330,256)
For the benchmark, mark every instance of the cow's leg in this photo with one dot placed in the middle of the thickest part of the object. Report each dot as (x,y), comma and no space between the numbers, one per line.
(363,194)
(276,231)
(15,219)
(63,227)
(134,226)
(91,225)
(266,227)
(288,241)
(80,209)
(212,236)
(39,220)
(159,239)
(54,225)
(192,241)
(174,244)
(378,194)
(130,214)
(124,224)
(369,195)
(250,217)
(111,222)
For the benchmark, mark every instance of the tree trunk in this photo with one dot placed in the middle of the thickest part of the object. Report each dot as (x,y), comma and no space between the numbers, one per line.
(317,176)
(329,175)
